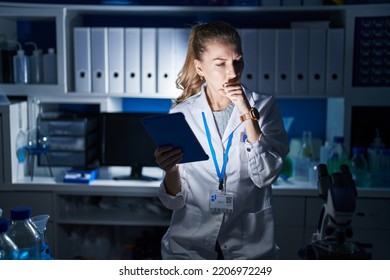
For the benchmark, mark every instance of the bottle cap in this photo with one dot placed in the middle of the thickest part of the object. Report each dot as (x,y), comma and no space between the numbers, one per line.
(338,139)
(20,213)
(358,150)
(3,225)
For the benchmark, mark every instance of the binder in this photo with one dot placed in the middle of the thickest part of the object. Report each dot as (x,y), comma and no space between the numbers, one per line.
(283,62)
(334,62)
(82,59)
(149,60)
(266,79)
(300,61)
(99,59)
(181,44)
(249,41)
(116,59)
(165,61)
(317,60)
(133,60)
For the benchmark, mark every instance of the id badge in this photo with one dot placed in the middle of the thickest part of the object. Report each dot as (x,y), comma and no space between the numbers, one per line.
(220,201)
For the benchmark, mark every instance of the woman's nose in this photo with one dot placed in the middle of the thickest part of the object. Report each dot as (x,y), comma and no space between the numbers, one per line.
(231,73)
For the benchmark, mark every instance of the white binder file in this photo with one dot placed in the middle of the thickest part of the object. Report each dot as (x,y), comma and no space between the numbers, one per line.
(181,44)
(267,61)
(82,58)
(283,61)
(133,60)
(99,59)
(334,62)
(300,61)
(249,39)
(149,60)
(317,60)
(165,61)
(116,59)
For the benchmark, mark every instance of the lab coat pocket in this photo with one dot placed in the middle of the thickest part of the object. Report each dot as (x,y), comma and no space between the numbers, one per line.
(258,229)
(185,222)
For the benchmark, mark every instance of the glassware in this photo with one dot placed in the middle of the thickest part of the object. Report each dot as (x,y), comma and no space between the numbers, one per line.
(40,222)
(337,155)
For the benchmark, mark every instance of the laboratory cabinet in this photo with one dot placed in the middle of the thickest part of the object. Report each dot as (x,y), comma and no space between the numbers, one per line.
(118,217)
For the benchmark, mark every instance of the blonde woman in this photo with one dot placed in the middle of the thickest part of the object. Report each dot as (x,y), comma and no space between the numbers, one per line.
(222,207)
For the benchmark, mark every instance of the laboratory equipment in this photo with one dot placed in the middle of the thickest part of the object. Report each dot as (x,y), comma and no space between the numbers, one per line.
(338,155)
(36,64)
(332,240)
(50,67)
(8,249)
(40,223)
(302,162)
(21,65)
(24,233)
(359,168)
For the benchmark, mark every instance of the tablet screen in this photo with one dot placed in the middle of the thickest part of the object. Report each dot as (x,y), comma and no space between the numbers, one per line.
(173,130)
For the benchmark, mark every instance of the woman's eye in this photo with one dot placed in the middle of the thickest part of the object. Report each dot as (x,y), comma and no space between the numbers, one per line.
(220,64)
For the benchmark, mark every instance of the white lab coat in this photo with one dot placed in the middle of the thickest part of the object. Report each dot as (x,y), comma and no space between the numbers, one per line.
(248,232)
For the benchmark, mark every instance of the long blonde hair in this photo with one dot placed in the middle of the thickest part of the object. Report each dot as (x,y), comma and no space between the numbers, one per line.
(202,34)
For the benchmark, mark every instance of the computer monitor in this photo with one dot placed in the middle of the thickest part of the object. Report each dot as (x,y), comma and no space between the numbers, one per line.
(125,142)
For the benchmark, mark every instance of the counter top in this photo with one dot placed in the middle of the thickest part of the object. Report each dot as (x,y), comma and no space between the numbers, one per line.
(150,188)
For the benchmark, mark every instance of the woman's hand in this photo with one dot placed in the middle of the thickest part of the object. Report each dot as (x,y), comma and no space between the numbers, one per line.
(167,158)
(236,94)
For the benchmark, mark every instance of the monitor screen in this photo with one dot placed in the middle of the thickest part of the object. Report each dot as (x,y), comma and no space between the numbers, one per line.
(125,142)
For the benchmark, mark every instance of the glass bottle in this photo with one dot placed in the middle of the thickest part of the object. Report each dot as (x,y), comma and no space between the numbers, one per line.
(8,249)
(337,155)
(24,233)
(359,167)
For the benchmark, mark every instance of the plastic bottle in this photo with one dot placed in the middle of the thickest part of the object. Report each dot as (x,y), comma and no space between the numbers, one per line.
(377,156)
(359,167)
(324,152)
(36,65)
(21,65)
(302,163)
(24,234)
(8,249)
(50,67)
(337,155)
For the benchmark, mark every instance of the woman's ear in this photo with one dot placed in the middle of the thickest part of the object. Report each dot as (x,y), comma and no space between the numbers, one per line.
(198,67)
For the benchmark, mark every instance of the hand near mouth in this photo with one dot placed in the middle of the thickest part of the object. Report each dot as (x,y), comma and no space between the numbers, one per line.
(236,94)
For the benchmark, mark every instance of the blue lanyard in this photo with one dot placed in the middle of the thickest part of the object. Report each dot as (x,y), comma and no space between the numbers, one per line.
(220,173)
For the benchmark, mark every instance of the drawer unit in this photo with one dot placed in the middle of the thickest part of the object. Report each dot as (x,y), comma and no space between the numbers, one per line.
(68,127)
(73,142)
(74,159)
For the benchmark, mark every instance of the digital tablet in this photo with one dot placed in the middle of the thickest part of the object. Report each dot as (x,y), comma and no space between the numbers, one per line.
(173,130)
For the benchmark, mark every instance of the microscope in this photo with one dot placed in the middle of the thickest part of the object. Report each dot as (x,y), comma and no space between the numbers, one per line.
(332,240)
